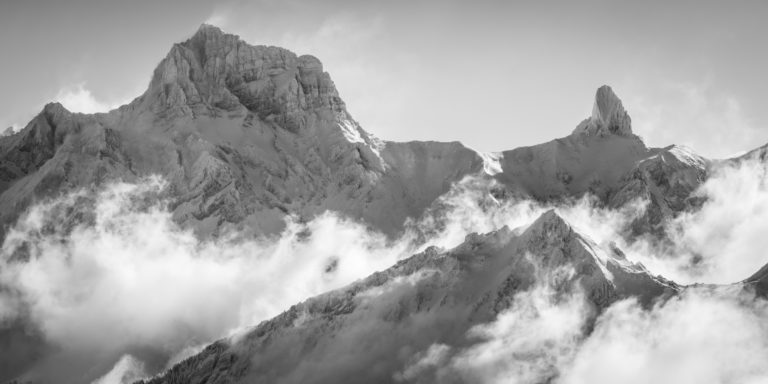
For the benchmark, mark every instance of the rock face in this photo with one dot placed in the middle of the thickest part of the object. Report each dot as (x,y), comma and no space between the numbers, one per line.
(214,70)
(608,116)
(357,334)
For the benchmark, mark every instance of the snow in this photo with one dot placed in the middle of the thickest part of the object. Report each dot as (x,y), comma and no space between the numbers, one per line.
(687,156)
(350,132)
(491,162)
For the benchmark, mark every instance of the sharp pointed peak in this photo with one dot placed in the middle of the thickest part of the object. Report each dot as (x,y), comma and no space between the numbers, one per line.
(608,115)
(607,103)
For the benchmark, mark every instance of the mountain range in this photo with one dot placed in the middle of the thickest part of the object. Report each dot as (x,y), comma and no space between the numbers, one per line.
(249,137)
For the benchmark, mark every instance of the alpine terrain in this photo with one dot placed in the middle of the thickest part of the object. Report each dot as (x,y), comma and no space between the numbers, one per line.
(249,139)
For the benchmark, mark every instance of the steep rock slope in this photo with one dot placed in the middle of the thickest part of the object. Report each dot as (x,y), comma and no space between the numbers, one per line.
(368,331)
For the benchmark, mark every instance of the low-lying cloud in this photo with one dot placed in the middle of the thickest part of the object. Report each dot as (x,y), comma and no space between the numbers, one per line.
(703,336)
(727,234)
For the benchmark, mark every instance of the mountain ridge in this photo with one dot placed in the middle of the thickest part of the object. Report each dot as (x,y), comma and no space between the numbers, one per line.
(474,281)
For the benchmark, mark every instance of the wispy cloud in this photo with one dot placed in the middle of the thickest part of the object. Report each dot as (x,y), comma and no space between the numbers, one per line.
(78,98)
(699,115)
(700,337)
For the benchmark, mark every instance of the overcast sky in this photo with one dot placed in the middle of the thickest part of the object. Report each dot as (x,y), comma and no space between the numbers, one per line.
(492,74)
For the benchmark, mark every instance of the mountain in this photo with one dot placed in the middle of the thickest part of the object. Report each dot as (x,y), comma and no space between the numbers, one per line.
(367,332)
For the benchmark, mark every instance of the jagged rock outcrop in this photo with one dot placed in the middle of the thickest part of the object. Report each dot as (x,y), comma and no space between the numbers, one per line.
(608,116)
(371,329)
(217,71)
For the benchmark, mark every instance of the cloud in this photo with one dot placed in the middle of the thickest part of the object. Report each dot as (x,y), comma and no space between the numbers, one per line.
(701,337)
(527,343)
(77,98)
(727,235)
(127,370)
(721,242)
(222,15)
(432,358)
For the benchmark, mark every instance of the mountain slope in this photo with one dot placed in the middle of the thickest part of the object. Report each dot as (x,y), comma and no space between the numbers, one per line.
(368,331)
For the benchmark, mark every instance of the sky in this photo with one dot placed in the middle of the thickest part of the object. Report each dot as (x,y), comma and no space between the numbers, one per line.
(494,75)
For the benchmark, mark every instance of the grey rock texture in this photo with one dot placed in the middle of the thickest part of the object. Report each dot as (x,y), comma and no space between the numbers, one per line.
(608,116)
